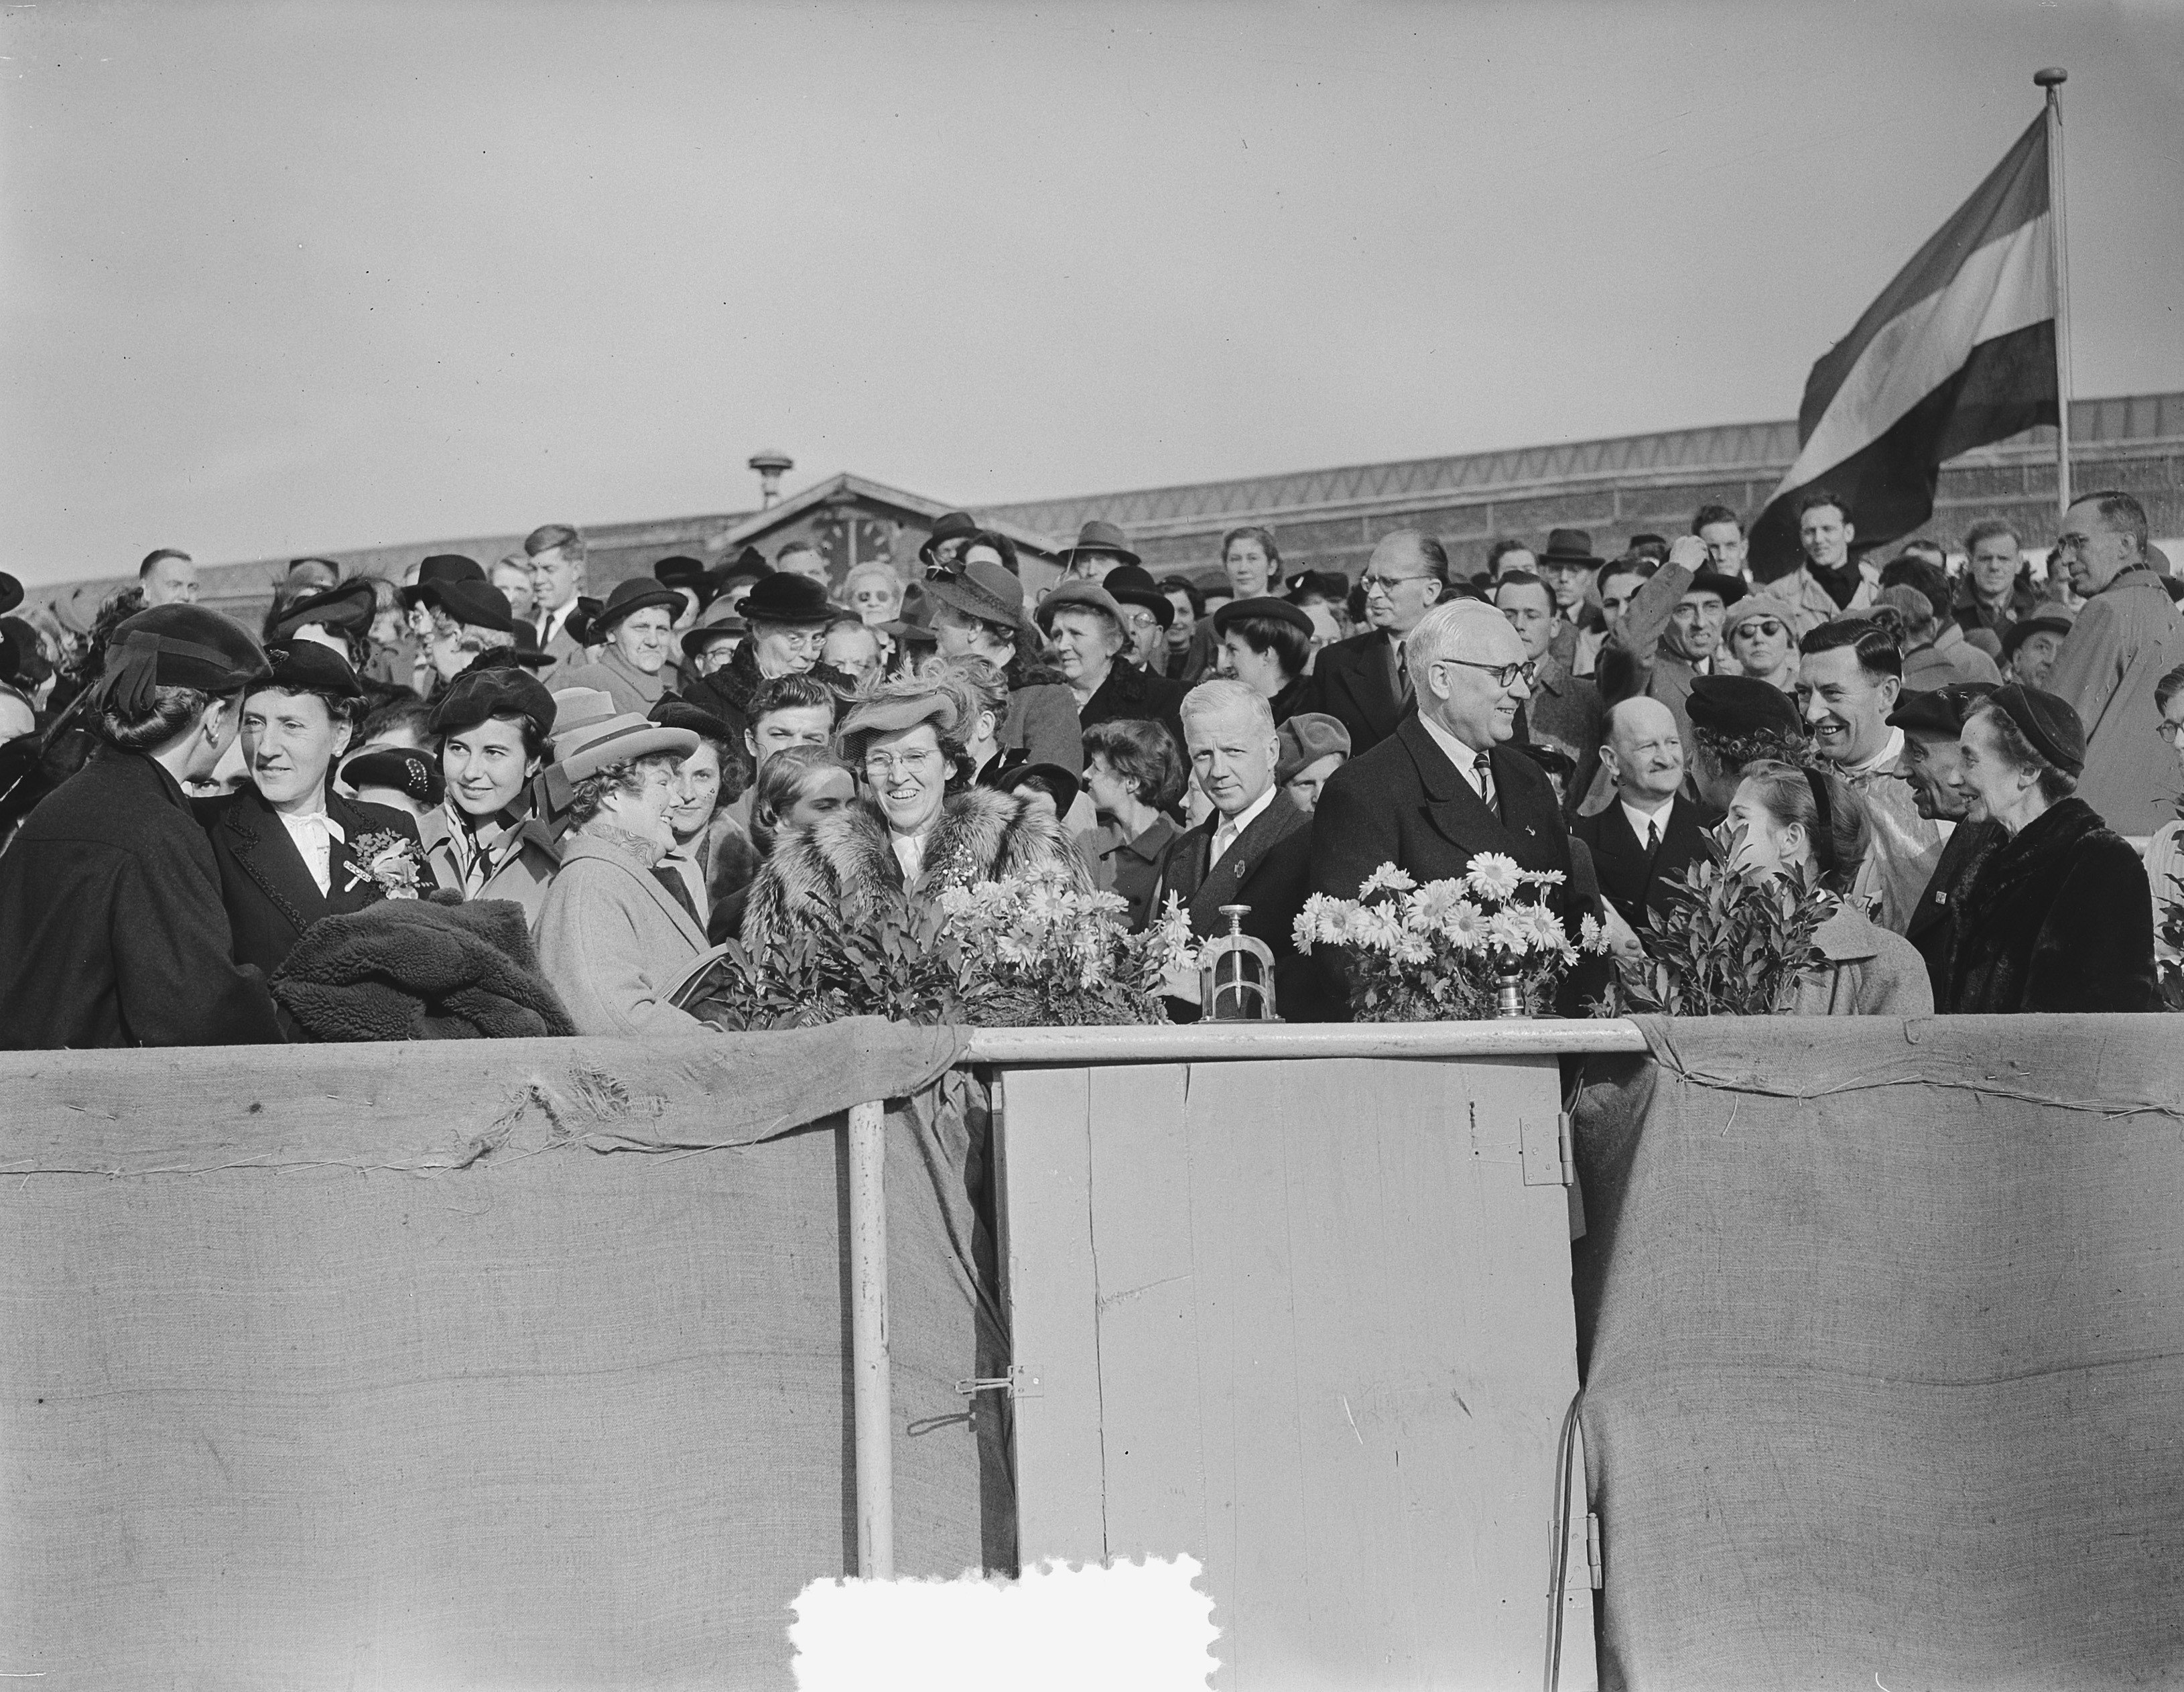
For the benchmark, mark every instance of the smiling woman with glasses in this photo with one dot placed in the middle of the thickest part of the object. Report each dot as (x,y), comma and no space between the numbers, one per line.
(908,838)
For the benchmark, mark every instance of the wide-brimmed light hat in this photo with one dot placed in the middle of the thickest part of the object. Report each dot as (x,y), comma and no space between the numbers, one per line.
(589,734)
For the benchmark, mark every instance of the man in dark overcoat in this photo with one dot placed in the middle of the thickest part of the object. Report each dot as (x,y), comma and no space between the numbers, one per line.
(112,931)
(2060,916)
(1362,682)
(1255,849)
(1652,832)
(1448,783)
(1933,763)
(290,848)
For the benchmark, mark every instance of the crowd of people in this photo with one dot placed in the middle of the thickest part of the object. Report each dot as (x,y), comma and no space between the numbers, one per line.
(1980,765)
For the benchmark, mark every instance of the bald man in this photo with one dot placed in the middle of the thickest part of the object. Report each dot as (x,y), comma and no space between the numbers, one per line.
(1362,682)
(1448,783)
(1651,832)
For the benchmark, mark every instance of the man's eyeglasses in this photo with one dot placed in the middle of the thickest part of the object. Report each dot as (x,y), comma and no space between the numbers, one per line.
(1387,584)
(1504,674)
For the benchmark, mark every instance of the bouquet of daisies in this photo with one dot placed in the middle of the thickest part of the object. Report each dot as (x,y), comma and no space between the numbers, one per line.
(1444,951)
(1029,952)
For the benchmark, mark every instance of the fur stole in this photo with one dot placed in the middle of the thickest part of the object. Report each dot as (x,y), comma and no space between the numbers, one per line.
(845,863)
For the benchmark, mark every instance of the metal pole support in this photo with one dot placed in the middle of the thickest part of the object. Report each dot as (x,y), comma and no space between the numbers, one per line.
(871,1387)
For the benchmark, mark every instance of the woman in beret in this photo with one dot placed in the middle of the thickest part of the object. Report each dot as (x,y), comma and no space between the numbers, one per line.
(490,732)
(1266,644)
(1791,820)
(912,838)
(2060,916)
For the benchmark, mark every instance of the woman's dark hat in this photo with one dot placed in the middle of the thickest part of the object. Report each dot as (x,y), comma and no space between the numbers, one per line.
(1571,546)
(681,572)
(403,768)
(346,610)
(1735,707)
(628,599)
(1060,785)
(435,573)
(473,604)
(675,714)
(910,634)
(950,526)
(1098,536)
(477,694)
(309,667)
(720,618)
(749,566)
(1280,610)
(11,592)
(981,590)
(2049,725)
(176,646)
(786,598)
(2048,619)
(1130,584)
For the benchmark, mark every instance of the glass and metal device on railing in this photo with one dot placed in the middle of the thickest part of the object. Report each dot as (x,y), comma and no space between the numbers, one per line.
(1236,974)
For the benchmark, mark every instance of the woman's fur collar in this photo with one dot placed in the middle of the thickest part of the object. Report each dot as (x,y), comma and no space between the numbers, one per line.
(845,862)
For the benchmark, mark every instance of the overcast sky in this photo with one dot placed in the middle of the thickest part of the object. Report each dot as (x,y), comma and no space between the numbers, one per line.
(281,278)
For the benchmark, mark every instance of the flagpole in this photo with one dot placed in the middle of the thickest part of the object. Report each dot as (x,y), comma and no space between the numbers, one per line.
(2052,79)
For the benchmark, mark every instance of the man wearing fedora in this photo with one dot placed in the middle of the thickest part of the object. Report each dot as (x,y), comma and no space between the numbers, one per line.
(1100,547)
(731,582)
(1570,568)
(637,625)
(788,616)
(556,552)
(1146,614)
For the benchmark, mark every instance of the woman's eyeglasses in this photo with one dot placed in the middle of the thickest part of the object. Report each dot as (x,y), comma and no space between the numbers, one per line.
(880,765)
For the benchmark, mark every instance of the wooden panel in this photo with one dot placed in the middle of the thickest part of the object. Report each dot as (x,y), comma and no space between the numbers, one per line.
(1042,1162)
(1334,1346)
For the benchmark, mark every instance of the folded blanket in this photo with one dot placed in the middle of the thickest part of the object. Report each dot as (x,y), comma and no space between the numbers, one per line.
(406,969)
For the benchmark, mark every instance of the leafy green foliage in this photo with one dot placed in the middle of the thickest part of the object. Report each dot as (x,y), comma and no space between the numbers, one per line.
(2168,972)
(1732,943)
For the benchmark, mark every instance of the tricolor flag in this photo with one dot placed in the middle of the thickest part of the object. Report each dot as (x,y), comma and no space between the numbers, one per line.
(1959,350)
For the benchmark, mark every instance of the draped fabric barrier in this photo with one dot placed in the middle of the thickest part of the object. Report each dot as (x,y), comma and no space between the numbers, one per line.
(514,1363)
(1885,1378)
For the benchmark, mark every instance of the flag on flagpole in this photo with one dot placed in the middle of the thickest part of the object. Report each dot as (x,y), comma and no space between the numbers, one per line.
(1958,350)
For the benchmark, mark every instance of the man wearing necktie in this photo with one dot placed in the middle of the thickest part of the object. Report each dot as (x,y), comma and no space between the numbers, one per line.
(1447,784)
(286,843)
(1653,832)
(1364,682)
(1255,849)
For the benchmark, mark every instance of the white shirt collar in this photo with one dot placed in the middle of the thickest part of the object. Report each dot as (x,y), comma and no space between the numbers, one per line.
(1463,757)
(910,853)
(313,836)
(1226,831)
(1640,820)
(1881,761)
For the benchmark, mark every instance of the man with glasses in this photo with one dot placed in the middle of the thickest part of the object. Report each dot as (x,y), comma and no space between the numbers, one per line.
(2127,637)
(1448,783)
(786,617)
(1364,682)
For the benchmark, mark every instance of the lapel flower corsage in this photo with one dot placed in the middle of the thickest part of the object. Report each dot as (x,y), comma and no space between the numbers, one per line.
(390,859)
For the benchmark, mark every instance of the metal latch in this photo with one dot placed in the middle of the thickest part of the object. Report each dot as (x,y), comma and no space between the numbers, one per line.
(1592,1550)
(1019,1383)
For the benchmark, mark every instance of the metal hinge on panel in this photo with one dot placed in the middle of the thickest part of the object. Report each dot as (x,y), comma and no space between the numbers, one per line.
(1592,1553)
(1546,1151)
(1019,1383)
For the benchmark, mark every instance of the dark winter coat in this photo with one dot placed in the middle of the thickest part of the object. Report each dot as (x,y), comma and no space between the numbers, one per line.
(1934,919)
(2059,919)
(845,864)
(1635,884)
(1403,803)
(270,897)
(112,928)
(1351,682)
(1131,695)
(1268,868)
(411,969)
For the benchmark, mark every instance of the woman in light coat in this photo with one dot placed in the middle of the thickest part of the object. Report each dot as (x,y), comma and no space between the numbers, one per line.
(613,937)
(1794,821)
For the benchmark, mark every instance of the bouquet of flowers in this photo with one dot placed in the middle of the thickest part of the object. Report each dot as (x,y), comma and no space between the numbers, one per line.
(1032,952)
(1732,943)
(1021,952)
(1483,945)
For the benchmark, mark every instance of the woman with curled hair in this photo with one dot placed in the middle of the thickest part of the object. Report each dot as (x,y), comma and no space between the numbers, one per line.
(112,929)
(2060,916)
(1810,824)
(613,937)
(911,838)
(1134,777)
(801,788)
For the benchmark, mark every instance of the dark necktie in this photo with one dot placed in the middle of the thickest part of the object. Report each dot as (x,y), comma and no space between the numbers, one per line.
(1484,765)
(674,883)
(1653,837)
(1401,679)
